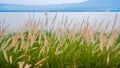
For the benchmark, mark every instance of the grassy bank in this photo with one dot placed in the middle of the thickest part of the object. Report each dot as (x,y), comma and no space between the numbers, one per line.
(37,46)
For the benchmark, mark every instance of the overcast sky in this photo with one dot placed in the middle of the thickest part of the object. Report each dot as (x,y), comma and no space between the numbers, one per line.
(40,2)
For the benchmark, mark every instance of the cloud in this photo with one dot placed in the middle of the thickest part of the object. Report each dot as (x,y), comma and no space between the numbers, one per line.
(40,2)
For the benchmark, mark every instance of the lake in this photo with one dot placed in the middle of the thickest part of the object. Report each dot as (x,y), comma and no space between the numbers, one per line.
(16,19)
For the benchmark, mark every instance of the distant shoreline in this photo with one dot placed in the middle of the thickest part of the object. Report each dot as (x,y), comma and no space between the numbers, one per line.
(84,10)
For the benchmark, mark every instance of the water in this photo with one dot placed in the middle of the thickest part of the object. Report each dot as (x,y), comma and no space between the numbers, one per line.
(16,19)
(67,10)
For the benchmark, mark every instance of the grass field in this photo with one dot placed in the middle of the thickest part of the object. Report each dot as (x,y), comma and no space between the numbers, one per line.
(41,45)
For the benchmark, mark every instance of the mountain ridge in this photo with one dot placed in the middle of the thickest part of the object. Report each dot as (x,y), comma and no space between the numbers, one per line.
(90,4)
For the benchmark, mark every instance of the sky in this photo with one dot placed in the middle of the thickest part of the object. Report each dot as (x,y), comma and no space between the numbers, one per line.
(40,2)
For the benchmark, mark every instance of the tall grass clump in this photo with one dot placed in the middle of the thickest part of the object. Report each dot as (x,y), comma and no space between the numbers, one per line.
(60,44)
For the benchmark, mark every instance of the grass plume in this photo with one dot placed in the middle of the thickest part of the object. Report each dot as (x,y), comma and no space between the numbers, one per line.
(40,45)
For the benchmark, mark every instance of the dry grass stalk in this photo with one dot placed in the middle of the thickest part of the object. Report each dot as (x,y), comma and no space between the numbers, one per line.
(40,35)
(4,46)
(39,63)
(3,28)
(58,33)
(10,59)
(32,27)
(72,33)
(14,42)
(57,51)
(112,39)
(5,56)
(115,22)
(27,66)
(46,21)
(103,41)
(100,27)
(20,57)
(53,22)
(42,51)
(16,37)
(21,64)
(88,34)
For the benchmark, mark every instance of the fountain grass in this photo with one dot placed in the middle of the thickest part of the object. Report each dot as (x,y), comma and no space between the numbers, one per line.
(34,47)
